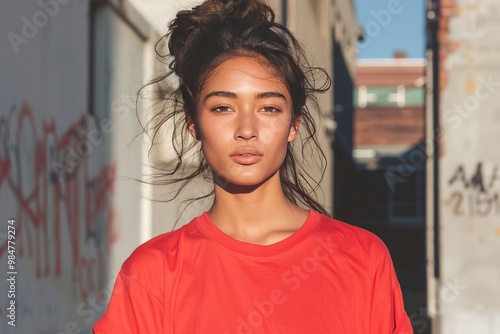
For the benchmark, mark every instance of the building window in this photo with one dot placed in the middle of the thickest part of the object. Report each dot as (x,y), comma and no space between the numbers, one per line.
(396,97)
(406,196)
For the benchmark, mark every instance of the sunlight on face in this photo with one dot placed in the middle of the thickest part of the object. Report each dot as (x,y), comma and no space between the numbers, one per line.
(245,121)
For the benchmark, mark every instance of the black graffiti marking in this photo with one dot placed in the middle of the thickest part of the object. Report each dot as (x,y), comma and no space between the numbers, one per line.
(479,204)
(475,182)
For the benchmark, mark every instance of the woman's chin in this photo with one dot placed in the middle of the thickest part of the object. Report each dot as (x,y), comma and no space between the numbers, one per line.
(242,183)
(238,186)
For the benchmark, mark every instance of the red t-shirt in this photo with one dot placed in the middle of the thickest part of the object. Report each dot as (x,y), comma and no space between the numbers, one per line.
(328,277)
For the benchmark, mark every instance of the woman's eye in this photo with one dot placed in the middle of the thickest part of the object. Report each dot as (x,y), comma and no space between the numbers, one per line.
(221,109)
(271,109)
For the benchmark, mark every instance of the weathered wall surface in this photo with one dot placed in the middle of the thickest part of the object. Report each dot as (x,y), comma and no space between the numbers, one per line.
(469,175)
(63,153)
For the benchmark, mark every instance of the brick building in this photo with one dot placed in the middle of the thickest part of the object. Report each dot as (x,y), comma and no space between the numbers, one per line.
(389,127)
(389,103)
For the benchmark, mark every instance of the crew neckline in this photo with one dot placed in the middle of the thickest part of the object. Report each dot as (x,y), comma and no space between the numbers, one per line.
(208,228)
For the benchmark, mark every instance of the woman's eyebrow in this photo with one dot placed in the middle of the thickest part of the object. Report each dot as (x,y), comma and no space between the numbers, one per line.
(221,93)
(265,95)
(231,95)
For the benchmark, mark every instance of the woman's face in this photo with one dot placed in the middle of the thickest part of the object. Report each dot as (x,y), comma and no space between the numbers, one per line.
(244,121)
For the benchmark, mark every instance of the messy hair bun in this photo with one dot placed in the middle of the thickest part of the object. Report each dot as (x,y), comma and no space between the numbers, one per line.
(202,38)
(191,27)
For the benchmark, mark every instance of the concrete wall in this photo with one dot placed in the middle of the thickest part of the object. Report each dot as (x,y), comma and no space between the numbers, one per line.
(318,24)
(467,299)
(310,21)
(64,157)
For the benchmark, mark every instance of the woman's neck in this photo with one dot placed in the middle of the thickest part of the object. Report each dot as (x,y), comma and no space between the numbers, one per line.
(260,215)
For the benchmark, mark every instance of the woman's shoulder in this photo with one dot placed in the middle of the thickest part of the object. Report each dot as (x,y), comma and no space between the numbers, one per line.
(156,253)
(351,237)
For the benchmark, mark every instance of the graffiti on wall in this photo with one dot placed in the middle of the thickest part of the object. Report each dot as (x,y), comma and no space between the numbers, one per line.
(65,219)
(477,192)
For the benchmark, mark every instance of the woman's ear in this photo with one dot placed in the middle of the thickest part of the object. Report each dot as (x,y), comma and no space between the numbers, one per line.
(192,128)
(294,129)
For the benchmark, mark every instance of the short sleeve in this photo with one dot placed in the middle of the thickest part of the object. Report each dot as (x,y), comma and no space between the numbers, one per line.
(132,309)
(388,315)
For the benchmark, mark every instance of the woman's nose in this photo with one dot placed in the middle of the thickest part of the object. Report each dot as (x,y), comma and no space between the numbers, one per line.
(246,127)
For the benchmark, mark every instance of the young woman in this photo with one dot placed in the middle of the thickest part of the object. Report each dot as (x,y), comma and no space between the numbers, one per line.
(265,258)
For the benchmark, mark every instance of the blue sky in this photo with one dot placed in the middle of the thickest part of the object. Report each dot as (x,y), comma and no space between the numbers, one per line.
(391,25)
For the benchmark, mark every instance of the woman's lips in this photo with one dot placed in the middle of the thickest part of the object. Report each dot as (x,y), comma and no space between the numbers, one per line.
(246,156)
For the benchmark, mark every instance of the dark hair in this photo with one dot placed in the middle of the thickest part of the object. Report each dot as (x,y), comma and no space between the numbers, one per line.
(202,38)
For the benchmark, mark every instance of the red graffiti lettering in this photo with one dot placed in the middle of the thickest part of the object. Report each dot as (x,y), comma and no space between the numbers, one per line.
(58,210)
